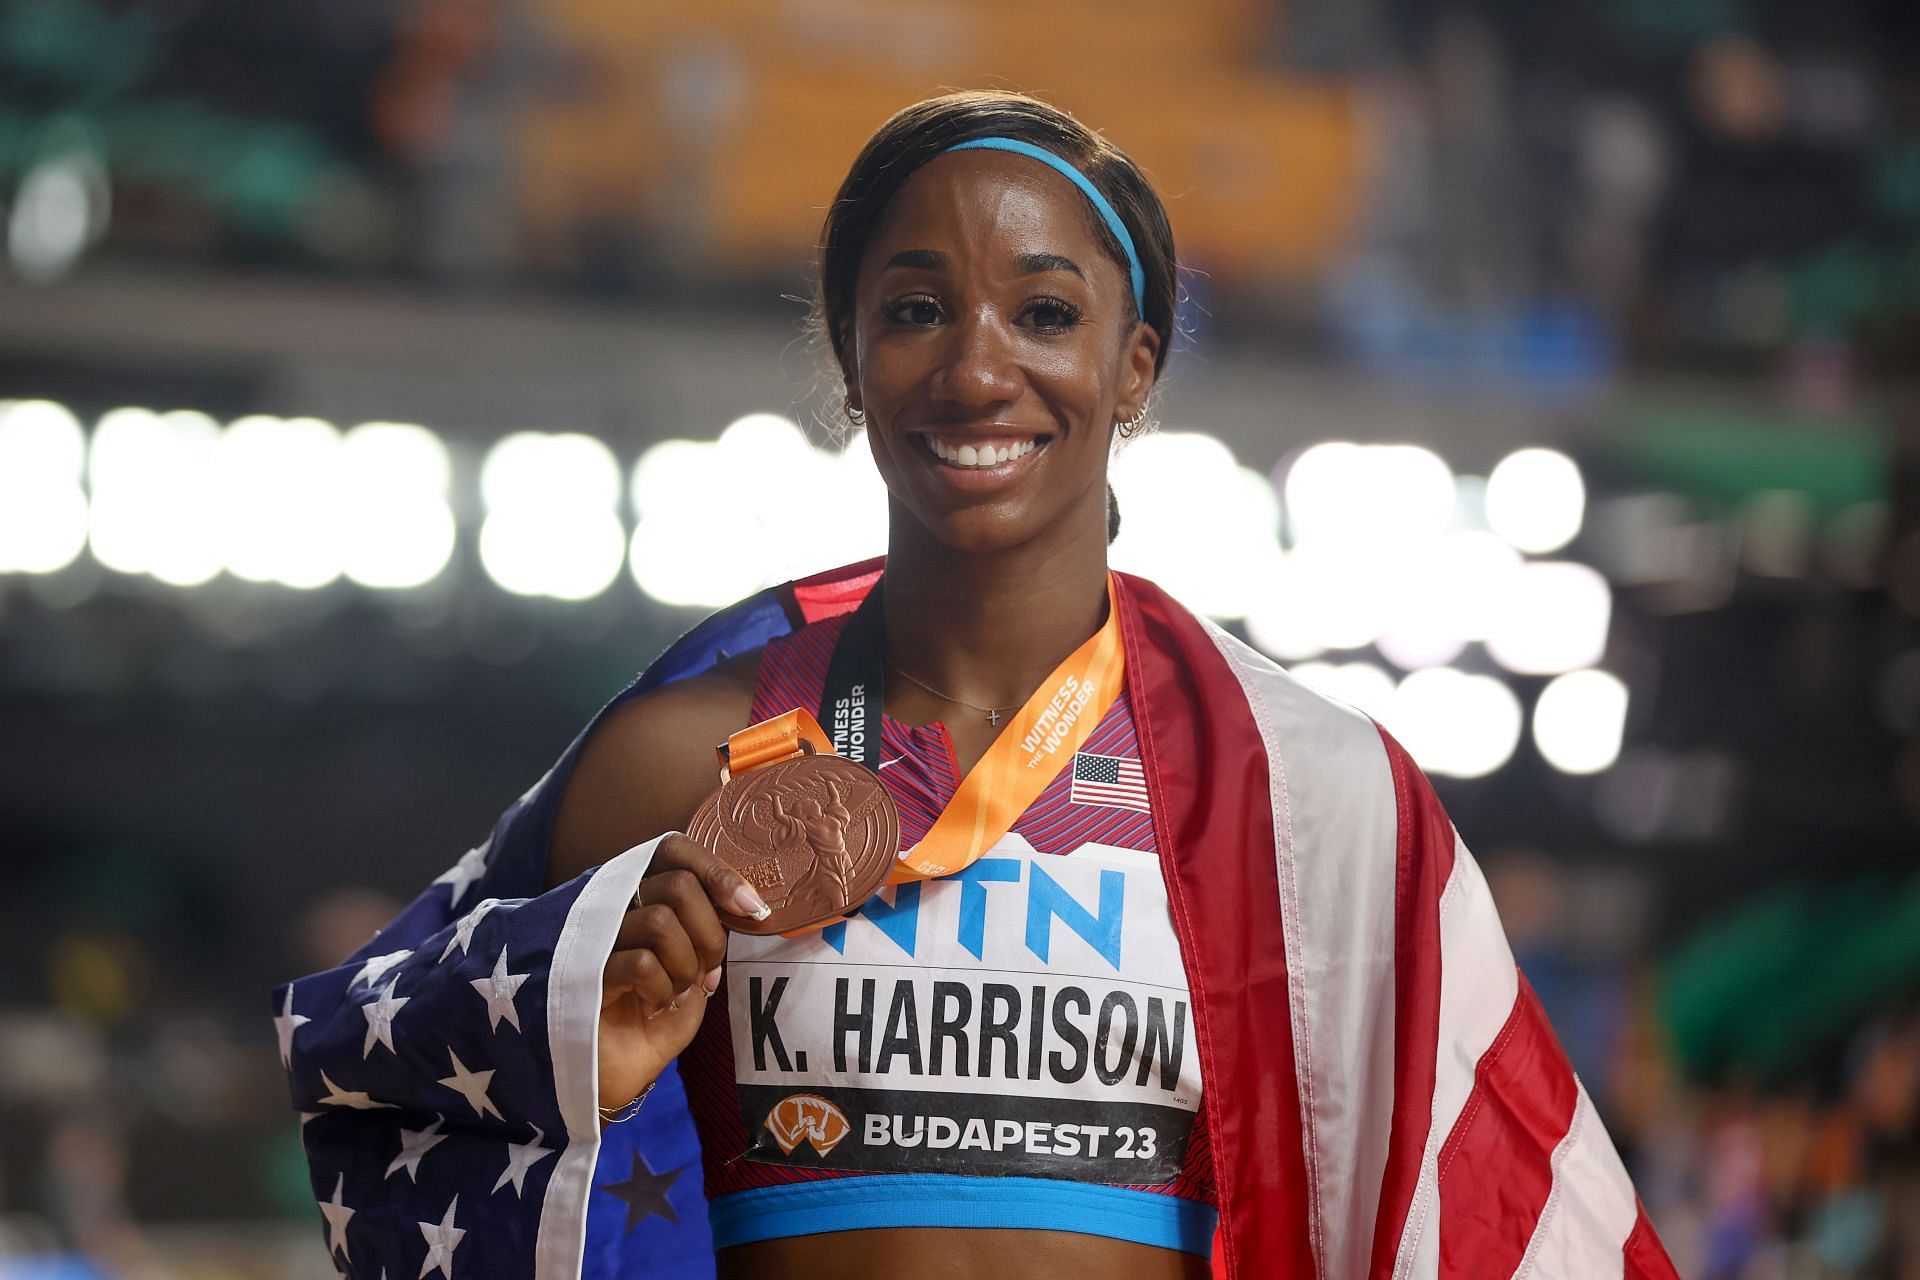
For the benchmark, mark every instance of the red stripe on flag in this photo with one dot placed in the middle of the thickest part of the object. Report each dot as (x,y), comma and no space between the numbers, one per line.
(1213,823)
(1424,853)
(1646,1258)
(837,591)
(1496,1168)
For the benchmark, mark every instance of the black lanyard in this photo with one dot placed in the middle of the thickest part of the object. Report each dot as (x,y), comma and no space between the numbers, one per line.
(851,706)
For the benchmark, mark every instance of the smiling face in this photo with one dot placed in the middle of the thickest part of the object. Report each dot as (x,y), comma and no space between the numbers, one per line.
(992,346)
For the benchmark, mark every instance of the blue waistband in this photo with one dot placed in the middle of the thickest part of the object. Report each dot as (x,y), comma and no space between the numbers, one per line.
(949,1200)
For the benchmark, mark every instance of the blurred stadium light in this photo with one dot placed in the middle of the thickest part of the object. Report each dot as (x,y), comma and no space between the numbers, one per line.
(1579,719)
(397,529)
(552,527)
(155,498)
(43,509)
(1535,499)
(1385,557)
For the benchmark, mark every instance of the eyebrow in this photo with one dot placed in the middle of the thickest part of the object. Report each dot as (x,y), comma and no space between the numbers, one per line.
(924,259)
(1031,264)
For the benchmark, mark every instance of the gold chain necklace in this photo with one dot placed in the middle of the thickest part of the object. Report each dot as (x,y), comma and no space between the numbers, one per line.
(992,713)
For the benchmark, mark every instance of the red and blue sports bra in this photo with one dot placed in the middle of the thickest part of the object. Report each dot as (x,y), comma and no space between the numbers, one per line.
(1011,1046)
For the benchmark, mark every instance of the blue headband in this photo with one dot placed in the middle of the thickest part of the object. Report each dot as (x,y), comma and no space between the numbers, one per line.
(1101,205)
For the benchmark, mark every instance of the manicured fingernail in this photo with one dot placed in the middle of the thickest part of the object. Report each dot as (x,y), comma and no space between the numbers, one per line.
(748,903)
(683,997)
(711,983)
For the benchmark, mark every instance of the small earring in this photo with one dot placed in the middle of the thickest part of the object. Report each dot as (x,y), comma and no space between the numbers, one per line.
(858,417)
(1130,427)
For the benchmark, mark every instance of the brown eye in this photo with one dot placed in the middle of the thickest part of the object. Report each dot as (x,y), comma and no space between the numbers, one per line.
(916,310)
(1053,315)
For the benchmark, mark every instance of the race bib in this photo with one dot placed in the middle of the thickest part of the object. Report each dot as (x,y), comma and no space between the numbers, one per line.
(1028,1015)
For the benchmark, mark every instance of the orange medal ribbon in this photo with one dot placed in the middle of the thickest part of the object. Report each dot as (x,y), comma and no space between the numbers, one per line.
(1039,741)
(795,733)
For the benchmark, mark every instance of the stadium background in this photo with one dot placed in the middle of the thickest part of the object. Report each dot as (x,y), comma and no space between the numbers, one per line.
(373,373)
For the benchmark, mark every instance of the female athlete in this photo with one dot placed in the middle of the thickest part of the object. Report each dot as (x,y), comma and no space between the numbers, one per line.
(1196,977)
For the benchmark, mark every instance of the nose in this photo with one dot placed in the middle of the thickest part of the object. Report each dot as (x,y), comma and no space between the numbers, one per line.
(977,367)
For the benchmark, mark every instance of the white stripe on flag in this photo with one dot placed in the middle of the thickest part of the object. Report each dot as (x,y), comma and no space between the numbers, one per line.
(1478,986)
(1590,1211)
(1334,816)
(573,1031)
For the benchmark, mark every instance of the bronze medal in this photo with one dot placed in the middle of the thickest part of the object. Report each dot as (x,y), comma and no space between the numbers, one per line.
(814,835)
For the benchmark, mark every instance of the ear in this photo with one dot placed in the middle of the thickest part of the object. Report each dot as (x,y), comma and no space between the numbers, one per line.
(849,369)
(1136,377)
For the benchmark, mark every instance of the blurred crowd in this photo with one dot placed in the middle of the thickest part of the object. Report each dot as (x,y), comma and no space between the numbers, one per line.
(1547,208)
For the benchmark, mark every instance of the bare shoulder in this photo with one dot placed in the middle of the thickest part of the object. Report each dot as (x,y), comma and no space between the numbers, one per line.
(647,766)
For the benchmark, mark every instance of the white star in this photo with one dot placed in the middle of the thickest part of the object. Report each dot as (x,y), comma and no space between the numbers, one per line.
(442,1239)
(380,1015)
(338,1097)
(463,932)
(375,969)
(286,1022)
(415,1143)
(499,989)
(522,1156)
(471,1085)
(472,865)
(338,1215)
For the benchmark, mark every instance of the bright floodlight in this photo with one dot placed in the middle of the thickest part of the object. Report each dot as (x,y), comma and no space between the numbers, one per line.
(684,478)
(551,527)
(720,520)
(1555,619)
(155,507)
(279,485)
(1463,726)
(532,469)
(1196,522)
(767,461)
(43,510)
(1454,590)
(1536,499)
(1578,722)
(1323,487)
(1412,491)
(716,565)
(1325,595)
(396,529)
(1376,495)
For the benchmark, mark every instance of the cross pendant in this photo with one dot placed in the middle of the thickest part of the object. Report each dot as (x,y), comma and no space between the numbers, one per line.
(993,718)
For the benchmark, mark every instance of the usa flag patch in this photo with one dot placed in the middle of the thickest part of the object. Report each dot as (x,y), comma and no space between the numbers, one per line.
(1114,781)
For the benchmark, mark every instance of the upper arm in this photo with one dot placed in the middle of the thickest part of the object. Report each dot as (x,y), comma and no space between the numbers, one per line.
(647,766)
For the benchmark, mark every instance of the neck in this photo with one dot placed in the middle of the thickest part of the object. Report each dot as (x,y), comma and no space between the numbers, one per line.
(988,627)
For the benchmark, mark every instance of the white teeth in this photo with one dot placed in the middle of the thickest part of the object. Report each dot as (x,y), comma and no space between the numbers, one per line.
(985,455)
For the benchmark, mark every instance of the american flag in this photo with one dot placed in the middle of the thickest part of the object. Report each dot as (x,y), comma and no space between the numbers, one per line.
(444,1074)
(1114,781)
